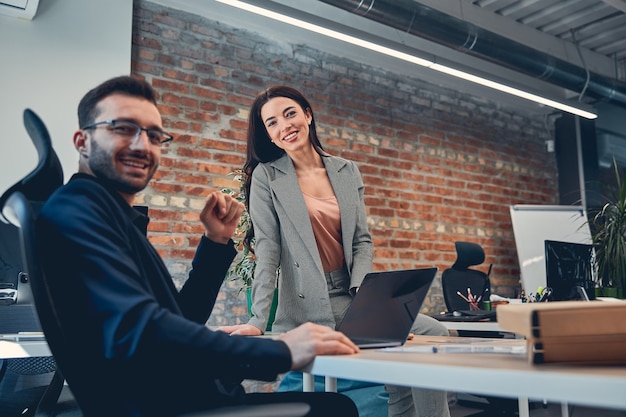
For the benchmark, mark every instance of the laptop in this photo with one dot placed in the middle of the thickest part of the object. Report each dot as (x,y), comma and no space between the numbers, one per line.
(385,307)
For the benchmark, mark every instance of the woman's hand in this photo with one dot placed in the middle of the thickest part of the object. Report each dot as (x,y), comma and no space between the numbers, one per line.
(241,329)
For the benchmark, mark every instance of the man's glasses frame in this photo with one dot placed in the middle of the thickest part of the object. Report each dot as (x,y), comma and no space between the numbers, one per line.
(132,130)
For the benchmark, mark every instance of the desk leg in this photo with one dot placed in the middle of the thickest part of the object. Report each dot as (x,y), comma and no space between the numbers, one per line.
(308,382)
(330,384)
(522,404)
(564,410)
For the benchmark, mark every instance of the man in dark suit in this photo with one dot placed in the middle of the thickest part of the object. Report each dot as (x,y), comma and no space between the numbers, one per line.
(140,344)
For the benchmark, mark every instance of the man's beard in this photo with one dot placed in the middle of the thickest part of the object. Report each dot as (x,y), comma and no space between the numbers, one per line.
(101,164)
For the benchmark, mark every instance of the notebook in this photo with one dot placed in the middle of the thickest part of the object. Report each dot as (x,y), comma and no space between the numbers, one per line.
(467,316)
(385,307)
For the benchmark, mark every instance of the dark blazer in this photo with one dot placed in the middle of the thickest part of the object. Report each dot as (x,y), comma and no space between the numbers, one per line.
(284,237)
(140,344)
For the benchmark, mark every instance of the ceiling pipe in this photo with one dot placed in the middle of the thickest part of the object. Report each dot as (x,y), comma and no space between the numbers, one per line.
(428,23)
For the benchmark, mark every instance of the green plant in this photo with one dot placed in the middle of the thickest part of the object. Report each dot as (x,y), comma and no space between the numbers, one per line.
(243,268)
(609,237)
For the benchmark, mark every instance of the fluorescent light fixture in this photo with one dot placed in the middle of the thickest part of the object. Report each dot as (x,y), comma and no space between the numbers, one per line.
(515,91)
(578,109)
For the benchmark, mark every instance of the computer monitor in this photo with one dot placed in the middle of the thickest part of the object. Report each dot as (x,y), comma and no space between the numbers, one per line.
(569,268)
(17,311)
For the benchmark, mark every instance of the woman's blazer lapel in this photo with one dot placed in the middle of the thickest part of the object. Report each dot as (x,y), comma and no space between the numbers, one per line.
(346,191)
(288,193)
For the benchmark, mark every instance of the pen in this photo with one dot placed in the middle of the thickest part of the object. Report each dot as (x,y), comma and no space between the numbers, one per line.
(462,296)
(471,299)
(540,292)
(473,304)
(546,294)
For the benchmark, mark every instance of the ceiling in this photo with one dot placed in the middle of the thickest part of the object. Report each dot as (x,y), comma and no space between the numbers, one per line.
(586,37)
(595,25)
(594,29)
(576,44)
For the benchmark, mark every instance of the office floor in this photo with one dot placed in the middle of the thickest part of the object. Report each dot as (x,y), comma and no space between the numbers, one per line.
(466,405)
(463,409)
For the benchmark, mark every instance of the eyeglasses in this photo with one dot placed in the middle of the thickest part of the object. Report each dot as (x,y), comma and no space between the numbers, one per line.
(131,131)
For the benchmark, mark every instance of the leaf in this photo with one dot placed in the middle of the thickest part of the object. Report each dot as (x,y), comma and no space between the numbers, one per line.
(243,268)
(609,236)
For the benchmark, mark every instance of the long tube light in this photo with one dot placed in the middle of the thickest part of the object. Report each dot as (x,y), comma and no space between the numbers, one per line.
(302,24)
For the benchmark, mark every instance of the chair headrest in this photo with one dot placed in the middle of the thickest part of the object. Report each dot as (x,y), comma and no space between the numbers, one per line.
(47,176)
(468,254)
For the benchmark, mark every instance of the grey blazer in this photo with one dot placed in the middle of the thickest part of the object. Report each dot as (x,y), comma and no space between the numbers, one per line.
(284,238)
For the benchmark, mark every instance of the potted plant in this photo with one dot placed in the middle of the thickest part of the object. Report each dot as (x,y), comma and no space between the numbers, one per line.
(243,269)
(608,236)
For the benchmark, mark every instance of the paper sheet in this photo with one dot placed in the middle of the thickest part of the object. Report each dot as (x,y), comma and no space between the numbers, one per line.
(464,345)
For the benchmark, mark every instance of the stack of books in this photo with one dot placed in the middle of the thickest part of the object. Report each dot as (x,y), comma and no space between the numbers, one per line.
(580,332)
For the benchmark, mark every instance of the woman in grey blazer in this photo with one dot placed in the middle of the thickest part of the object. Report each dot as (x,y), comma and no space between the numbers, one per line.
(310,232)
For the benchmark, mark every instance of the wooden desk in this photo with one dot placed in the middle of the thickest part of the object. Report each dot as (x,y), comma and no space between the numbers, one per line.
(504,375)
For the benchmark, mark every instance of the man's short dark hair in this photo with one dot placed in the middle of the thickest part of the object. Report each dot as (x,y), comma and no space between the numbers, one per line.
(127,85)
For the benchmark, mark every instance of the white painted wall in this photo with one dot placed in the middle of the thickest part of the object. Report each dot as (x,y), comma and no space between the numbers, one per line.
(47,64)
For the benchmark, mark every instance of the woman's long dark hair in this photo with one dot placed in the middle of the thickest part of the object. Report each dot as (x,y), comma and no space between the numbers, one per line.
(260,147)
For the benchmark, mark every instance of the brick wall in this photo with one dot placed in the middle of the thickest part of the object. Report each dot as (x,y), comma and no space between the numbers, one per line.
(438,166)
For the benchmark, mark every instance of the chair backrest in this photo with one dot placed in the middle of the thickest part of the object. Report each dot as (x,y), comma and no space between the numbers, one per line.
(18,210)
(36,186)
(19,314)
(48,173)
(460,277)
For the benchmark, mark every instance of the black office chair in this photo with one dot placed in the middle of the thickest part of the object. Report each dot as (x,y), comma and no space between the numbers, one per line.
(47,175)
(30,386)
(17,210)
(460,277)
(36,186)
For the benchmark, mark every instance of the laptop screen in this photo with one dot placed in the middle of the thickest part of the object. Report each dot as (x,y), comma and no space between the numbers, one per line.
(568,266)
(386,306)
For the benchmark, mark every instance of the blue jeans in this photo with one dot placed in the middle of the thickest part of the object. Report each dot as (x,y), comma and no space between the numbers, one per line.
(371,399)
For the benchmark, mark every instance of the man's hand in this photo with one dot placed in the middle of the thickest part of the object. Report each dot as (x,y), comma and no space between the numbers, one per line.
(220,216)
(241,329)
(309,340)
